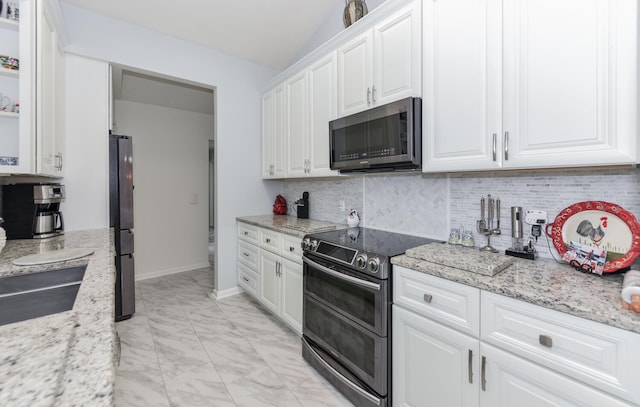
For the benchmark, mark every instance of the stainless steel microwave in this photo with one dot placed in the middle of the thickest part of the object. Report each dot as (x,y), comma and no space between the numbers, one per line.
(385,138)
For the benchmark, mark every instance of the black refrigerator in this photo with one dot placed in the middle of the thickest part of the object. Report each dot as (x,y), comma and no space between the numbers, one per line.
(121,220)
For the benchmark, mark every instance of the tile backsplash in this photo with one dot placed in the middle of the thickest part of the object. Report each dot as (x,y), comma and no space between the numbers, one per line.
(430,204)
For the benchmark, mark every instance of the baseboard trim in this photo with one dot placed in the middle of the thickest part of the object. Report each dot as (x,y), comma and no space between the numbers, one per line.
(175,270)
(218,295)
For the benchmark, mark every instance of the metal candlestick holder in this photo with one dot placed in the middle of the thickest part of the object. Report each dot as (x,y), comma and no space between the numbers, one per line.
(485,225)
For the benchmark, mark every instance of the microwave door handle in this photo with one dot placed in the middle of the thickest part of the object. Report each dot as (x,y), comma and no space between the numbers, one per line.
(353,280)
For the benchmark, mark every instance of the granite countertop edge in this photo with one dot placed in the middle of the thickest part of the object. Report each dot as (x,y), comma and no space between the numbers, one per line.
(545,283)
(290,225)
(88,376)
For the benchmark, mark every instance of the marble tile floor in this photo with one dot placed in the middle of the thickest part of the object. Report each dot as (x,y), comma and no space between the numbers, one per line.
(182,348)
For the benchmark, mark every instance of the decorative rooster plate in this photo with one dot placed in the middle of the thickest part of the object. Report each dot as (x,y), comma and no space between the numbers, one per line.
(598,224)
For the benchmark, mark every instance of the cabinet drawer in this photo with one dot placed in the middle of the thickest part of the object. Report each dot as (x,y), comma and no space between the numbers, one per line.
(248,255)
(270,240)
(248,233)
(602,356)
(291,248)
(452,304)
(249,280)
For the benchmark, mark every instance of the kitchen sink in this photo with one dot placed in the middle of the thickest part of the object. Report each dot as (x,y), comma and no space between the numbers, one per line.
(38,294)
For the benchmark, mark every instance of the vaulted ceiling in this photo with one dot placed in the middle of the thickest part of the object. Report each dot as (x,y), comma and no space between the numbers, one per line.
(268,32)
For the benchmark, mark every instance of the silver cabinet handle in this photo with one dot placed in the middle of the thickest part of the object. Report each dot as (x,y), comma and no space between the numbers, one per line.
(483,375)
(245,279)
(60,161)
(506,145)
(368,96)
(245,254)
(427,298)
(470,366)
(267,240)
(495,139)
(118,352)
(292,249)
(373,93)
(545,340)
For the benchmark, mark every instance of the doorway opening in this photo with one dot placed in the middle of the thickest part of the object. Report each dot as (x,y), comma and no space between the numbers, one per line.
(170,120)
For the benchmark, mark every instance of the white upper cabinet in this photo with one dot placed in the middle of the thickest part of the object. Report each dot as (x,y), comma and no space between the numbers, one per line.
(310,100)
(529,84)
(273,132)
(322,109)
(382,64)
(32,141)
(50,99)
(297,125)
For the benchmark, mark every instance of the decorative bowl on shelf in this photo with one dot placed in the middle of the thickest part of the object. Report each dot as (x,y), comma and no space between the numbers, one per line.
(9,62)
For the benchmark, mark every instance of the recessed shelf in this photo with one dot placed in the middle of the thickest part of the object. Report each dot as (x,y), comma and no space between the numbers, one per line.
(7,24)
(9,114)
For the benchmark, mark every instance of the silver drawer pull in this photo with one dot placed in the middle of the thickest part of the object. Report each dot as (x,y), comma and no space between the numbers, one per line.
(292,249)
(427,298)
(470,367)
(245,279)
(545,341)
(267,240)
(246,254)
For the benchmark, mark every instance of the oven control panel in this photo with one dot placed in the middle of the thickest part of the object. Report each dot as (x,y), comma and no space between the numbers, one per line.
(369,263)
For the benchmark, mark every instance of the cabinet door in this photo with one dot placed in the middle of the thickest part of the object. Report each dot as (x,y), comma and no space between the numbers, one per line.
(355,74)
(568,82)
(462,83)
(291,280)
(512,381)
(47,60)
(268,133)
(397,63)
(432,365)
(269,281)
(322,109)
(297,131)
(273,133)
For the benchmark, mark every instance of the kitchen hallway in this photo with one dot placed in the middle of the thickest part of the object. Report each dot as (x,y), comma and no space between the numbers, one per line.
(182,348)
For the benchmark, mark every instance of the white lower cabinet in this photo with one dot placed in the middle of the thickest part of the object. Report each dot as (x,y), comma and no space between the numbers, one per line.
(524,356)
(513,381)
(270,269)
(433,365)
(281,288)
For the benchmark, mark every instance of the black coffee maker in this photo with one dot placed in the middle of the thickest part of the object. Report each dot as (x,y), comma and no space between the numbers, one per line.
(302,206)
(32,211)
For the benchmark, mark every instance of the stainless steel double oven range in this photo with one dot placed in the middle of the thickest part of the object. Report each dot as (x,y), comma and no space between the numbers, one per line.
(347,309)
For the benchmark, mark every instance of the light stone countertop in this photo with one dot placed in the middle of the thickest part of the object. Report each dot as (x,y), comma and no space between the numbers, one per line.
(541,282)
(290,225)
(70,359)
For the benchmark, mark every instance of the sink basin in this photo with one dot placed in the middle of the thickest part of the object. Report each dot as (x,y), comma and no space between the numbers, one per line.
(34,295)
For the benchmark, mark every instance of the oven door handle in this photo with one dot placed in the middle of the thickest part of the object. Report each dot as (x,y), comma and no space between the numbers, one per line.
(336,274)
(341,377)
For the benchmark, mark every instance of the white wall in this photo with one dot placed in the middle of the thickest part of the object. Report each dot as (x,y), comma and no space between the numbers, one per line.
(171,162)
(240,190)
(86,160)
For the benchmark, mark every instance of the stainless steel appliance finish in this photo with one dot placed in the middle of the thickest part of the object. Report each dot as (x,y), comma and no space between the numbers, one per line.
(385,138)
(32,211)
(347,309)
(121,219)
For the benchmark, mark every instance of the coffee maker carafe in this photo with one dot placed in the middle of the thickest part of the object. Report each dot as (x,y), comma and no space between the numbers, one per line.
(32,211)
